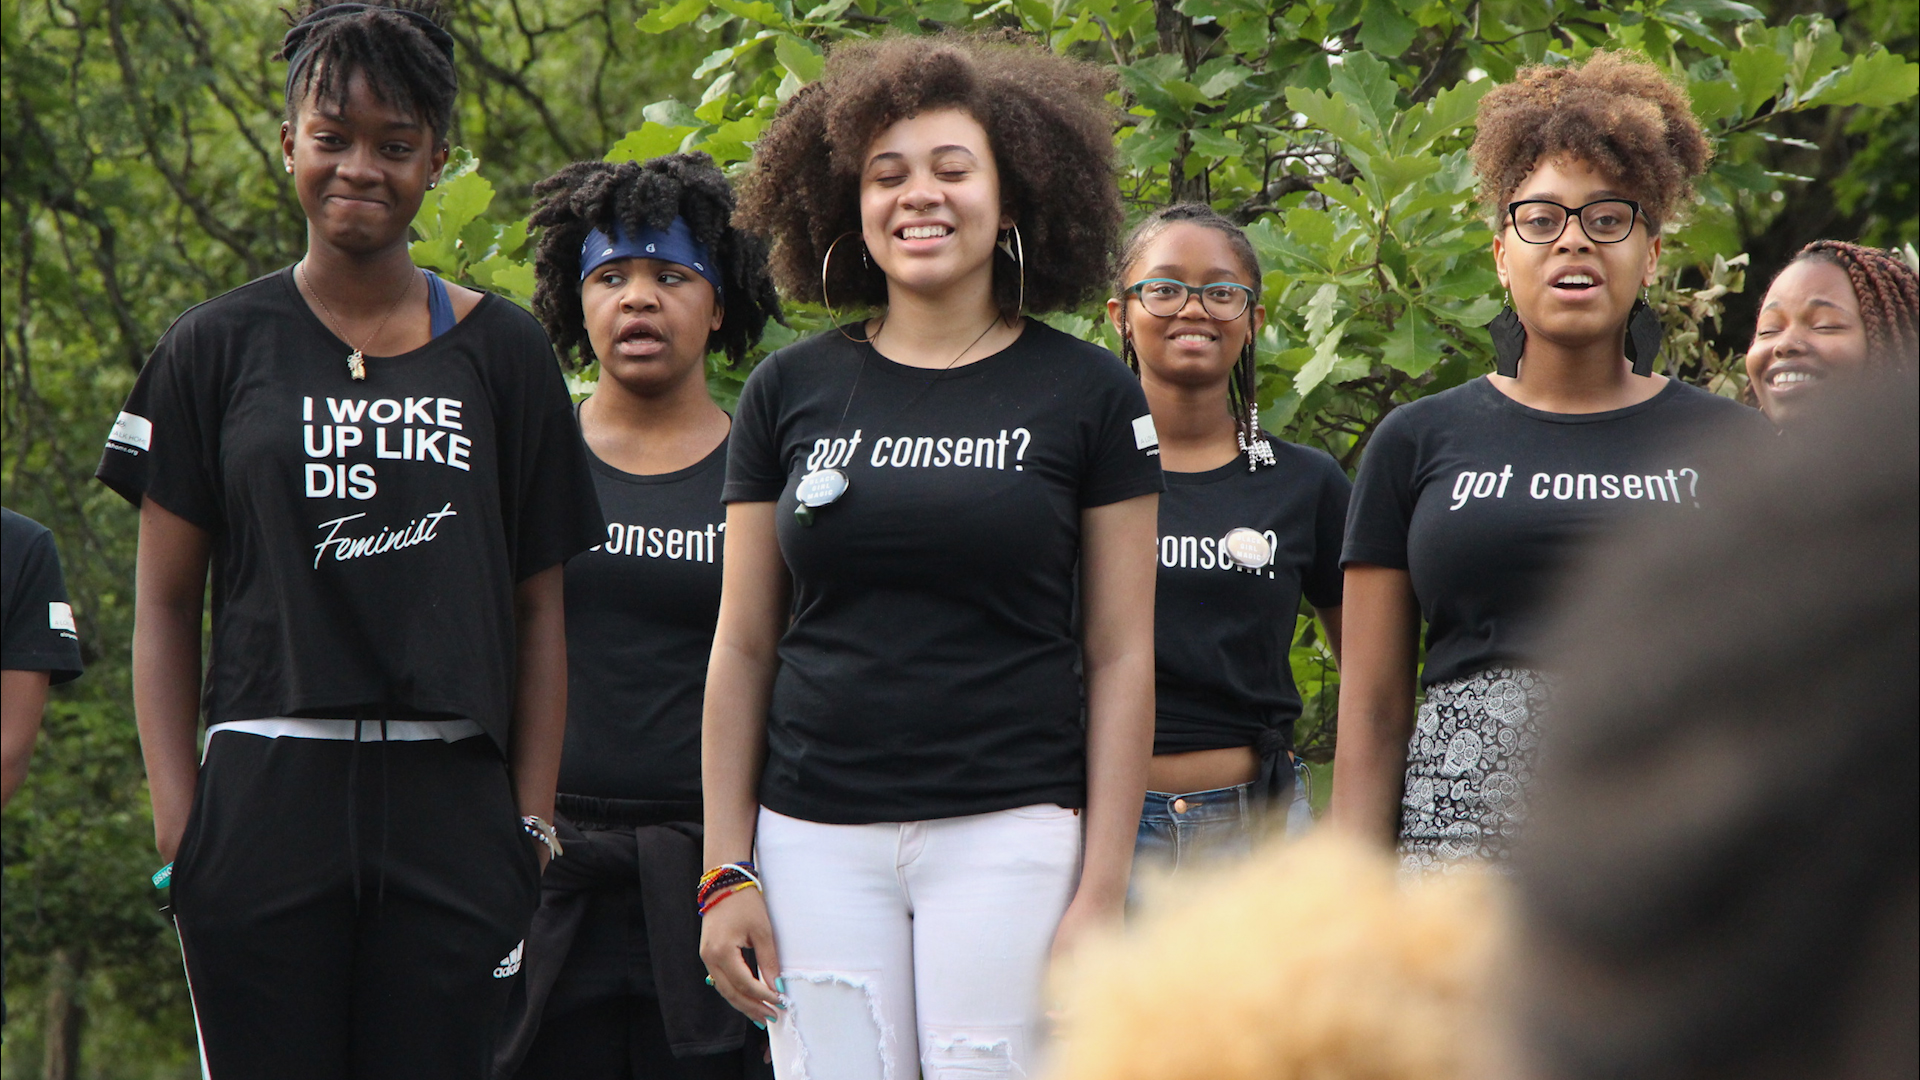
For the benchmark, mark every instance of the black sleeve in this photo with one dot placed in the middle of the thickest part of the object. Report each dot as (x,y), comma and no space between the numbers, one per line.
(1381,510)
(755,472)
(1124,453)
(547,495)
(166,441)
(1324,579)
(40,634)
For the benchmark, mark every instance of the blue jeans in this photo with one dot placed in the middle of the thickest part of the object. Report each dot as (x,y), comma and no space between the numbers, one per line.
(1178,830)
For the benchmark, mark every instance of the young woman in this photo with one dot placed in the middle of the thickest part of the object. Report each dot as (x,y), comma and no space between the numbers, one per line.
(639,270)
(383,473)
(1247,525)
(893,718)
(1469,502)
(1835,310)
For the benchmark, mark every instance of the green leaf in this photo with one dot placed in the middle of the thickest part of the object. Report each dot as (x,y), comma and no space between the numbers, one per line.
(752,10)
(1444,115)
(1209,143)
(1339,117)
(1365,81)
(1218,77)
(1711,10)
(1759,72)
(515,279)
(1397,174)
(1384,29)
(1714,100)
(670,113)
(648,141)
(1325,355)
(667,16)
(1878,79)
(1413,345)
(799,57)
(1320,311)
(462,200)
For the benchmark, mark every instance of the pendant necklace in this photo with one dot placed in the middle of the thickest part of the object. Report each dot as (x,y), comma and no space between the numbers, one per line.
(822,487)
(357,359)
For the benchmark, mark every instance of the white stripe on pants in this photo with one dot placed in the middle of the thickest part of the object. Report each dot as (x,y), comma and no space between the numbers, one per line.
(917,941)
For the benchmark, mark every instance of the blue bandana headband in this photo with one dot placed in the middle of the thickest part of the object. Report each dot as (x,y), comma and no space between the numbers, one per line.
(675,245)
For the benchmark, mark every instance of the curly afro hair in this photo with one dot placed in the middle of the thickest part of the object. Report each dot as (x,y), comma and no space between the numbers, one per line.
(1888,291)
(1617,112)
(634,195)
(387,42)
(1046,118)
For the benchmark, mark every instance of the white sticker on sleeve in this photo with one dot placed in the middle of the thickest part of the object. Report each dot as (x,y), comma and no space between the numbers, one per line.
(1144,436)
(131,430)
(60,617)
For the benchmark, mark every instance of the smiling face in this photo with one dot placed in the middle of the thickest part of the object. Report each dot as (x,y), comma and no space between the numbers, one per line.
(930,203)
(648,322)
(1190,347)
(1574,291)
(362,172)
(1809,331)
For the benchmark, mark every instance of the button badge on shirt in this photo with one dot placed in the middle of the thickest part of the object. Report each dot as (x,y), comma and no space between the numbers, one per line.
(818,488)
(1247,548)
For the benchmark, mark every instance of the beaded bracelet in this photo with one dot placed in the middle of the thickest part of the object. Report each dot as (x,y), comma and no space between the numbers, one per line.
(723,881)
(538,828)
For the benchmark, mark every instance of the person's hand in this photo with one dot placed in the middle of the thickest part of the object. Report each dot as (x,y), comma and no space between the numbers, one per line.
(739,922)
(1086,916)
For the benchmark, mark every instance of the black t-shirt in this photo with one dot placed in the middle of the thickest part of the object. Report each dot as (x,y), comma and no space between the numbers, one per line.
(1222,633)
(37,631)
(1484,501)
(367,536)
(641,607)
(929,668)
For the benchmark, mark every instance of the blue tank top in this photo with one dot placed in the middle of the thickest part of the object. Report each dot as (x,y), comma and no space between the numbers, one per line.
(439,304)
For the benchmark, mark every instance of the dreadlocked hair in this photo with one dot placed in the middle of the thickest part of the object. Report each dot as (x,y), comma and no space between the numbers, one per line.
(1888,291)
(632,196)
(1242,388)
(403,68)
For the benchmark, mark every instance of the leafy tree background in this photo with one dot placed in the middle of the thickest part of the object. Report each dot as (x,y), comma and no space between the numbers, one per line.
(141,176)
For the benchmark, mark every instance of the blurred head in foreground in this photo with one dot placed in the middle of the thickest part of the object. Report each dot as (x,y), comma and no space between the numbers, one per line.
(1313,961)
(1721,875)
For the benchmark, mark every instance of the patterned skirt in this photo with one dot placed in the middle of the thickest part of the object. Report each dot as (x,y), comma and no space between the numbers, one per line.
(1468,766)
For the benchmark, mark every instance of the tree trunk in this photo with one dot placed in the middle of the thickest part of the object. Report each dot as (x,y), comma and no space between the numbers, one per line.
(64,1017)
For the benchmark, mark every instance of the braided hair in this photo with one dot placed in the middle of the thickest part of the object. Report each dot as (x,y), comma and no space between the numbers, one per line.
(1888,291)
(401,47)
(589,195)
(1242,389)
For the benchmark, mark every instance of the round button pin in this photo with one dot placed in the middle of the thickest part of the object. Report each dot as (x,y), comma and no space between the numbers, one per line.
(1247,548)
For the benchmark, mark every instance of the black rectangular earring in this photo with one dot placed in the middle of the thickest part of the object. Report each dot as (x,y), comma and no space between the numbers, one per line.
(1644,332)
(1509,341)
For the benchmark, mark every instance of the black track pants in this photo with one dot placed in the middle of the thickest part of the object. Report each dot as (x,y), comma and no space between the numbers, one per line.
(316,951)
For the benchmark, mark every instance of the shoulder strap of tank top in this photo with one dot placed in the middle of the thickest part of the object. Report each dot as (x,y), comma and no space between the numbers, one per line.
(439,304)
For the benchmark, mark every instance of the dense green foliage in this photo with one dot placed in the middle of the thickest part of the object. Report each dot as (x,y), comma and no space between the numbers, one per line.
(141,176)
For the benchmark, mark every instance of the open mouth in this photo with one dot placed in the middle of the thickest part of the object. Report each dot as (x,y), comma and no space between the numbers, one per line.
(1788,378)
(1192,337)
(1575,283)
(639,339)
(924,232)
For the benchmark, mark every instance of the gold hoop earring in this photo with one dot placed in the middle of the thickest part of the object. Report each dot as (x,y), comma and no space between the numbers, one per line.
(1016,249)
(826,261)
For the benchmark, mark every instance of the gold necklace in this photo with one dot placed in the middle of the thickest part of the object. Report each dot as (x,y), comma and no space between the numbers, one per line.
(357,359)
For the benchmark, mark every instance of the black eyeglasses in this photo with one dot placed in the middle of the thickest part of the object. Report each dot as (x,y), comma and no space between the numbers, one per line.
(1163,298)
(1543,221)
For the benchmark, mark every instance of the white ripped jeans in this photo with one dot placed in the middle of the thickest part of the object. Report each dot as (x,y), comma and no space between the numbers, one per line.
(915,949)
